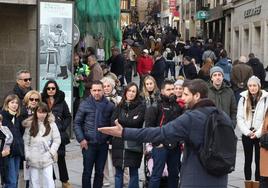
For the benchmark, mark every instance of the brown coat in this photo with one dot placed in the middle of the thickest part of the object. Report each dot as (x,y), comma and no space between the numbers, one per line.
(264,153)
(96,73)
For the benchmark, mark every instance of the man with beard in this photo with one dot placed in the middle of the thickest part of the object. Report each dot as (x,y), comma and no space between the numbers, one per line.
(190,127)
(158,115)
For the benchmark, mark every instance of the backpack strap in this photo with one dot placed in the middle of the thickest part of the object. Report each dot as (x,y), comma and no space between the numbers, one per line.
(162,117)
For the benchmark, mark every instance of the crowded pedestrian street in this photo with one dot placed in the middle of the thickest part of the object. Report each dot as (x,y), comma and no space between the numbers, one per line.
(134,94)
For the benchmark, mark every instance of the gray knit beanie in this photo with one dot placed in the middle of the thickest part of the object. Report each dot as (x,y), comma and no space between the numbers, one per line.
(215,69)
(254,79)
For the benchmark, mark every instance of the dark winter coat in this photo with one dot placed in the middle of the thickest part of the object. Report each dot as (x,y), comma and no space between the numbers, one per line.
(190,128)
(258,69)
(63,118)
(117,64)
(188,71)
(90,116)
(158,71)
(129,115)
(196,53)
(165,111)
(20,92)
(17,147)
(224,99)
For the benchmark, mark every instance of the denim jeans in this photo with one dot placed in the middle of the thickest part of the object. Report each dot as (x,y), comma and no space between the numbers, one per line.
(13,166)
(133,181)
(96,154)
(172,158)
(170,65)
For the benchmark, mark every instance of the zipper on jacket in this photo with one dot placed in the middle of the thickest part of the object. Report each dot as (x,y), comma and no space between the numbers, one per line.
(123,163)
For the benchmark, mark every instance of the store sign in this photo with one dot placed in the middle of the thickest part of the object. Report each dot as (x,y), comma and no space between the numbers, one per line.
(252,12)
(201,15)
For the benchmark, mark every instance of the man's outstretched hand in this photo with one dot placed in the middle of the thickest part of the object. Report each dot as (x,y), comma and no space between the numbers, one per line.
(116,130)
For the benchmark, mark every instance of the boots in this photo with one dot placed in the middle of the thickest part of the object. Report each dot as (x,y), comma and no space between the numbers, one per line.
(248,184)
(66,185)
(63,72)
(255,184)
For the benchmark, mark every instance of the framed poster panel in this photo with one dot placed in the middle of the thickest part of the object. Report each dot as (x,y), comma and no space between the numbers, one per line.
(55,45)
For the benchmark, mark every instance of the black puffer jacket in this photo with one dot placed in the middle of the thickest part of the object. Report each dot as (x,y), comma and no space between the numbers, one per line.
(129,115)
(63,118)
(165,111)
(17,147)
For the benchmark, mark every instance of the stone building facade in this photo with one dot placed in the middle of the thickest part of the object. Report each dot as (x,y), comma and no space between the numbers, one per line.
(249,29)
(18,36)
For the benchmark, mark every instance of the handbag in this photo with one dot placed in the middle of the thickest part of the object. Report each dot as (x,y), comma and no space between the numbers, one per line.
(133,146)
(264,141)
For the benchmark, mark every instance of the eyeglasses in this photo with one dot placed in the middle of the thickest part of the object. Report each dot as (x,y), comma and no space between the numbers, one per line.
(27,79)
(34,99)
(51,88)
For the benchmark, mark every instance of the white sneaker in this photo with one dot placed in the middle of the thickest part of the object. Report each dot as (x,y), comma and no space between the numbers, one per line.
(106,184)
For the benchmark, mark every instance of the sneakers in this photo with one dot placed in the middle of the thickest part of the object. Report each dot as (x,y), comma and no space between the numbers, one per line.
(66,185)
(106,184)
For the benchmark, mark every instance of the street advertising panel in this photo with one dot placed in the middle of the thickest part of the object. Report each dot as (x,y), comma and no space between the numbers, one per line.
(55,45)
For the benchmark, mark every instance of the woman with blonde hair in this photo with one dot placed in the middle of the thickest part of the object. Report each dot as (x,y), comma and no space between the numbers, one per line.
(150,92)
(30,102)
(250,115)
(12,119)
(204,71)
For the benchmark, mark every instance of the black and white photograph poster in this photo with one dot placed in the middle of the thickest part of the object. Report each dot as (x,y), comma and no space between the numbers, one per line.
(55,46)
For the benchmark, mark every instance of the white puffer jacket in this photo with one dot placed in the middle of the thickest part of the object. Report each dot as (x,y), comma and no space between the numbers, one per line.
(39,150)
(256,121)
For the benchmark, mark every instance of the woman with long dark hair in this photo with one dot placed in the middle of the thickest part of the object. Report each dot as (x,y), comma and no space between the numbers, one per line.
(130,113)
(55,99)
(41,142)
(250,115)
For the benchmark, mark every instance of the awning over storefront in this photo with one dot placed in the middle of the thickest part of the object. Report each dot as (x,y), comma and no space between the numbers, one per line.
(215,14)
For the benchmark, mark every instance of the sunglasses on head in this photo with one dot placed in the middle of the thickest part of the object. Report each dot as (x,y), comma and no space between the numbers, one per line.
(51,88)
(27,79)
(34,99)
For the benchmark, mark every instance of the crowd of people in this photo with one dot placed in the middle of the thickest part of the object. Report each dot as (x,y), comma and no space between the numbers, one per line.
(33,125)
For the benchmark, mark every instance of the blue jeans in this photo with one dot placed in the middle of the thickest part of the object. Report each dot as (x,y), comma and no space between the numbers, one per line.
(96,154)
(172,158)
(170,65)
(133,181)
(13,166)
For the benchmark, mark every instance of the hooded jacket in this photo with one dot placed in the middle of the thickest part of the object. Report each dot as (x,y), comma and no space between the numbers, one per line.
(40,150)
(63,117)
(224,99)
(256,121)
(226,67)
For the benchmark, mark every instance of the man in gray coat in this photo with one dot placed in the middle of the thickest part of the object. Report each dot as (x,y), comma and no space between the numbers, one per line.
(221,94)
(189,127)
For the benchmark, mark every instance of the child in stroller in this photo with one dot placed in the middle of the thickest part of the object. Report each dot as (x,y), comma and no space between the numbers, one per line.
(148,168)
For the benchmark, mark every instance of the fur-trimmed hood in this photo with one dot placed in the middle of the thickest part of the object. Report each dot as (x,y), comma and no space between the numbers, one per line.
(28,122)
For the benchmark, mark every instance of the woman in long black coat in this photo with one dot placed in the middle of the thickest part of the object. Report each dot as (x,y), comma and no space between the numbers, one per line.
(55,99)
(130,113)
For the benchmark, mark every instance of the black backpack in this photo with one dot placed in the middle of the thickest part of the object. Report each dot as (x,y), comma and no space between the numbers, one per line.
(218,154)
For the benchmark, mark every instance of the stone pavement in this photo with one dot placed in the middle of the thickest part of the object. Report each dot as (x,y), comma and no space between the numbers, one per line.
(75,167)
